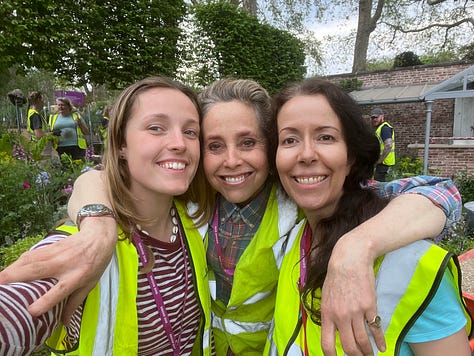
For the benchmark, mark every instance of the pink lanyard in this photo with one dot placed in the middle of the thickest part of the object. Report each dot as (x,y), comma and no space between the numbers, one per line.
(305,245)
(175,342)
(215,228)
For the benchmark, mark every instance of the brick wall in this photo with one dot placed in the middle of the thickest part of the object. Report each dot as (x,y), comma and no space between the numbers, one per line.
(409,119)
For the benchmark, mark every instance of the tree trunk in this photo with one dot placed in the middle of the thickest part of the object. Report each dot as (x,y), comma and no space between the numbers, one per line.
(250,6)
(366,25)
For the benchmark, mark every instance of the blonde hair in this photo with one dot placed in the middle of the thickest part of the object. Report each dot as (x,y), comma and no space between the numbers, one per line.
(117,175)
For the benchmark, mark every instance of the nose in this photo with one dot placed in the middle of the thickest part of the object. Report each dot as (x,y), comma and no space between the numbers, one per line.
(177,141)
(308,153)
(232,157)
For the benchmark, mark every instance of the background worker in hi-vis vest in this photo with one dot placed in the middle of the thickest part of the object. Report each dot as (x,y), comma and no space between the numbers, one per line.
(386,136)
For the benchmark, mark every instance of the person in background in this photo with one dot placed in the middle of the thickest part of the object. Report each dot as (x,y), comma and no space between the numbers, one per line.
(386,136)
(71,129)
(36,124)
(249,219)
(325,157)
(104,123)
(153,298)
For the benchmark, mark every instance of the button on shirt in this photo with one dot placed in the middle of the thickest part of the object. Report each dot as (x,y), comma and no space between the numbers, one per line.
(237,226)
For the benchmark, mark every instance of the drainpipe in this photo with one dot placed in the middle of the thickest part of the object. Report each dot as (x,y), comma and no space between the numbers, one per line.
(429,105)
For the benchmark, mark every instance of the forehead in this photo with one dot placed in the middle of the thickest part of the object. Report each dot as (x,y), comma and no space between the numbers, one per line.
(311,108)
(232,116)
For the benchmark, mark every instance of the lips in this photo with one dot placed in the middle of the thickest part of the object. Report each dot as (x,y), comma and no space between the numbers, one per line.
(310,180)
(235,179)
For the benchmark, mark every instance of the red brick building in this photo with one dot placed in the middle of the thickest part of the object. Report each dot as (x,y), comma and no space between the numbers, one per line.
(403,95)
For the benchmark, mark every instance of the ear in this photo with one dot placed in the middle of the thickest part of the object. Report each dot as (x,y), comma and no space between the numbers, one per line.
(123,153)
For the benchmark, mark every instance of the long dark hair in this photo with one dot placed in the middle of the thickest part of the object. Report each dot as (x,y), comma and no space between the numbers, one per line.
(357,203)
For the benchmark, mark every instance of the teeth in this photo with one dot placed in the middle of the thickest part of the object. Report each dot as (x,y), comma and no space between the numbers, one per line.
(310,180)
(234,180)
(174,165)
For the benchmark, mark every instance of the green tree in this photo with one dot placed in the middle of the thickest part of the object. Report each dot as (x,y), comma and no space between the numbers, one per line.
(240,46)
(85,41)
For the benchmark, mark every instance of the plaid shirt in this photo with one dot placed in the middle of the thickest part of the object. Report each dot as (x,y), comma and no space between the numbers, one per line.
(237,226)
(441,191)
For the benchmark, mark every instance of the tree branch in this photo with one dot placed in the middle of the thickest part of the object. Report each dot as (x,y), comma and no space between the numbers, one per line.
(439,25)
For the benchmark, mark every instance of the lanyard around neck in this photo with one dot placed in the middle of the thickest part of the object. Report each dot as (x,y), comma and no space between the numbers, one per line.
(305,245)
(215,228)
(175,342)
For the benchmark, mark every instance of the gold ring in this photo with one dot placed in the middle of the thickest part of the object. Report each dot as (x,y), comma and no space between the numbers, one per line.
(376,323)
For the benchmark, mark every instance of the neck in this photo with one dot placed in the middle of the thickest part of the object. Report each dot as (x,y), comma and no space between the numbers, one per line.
(159,224)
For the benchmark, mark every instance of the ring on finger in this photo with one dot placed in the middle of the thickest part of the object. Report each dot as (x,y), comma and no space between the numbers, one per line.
(376,322)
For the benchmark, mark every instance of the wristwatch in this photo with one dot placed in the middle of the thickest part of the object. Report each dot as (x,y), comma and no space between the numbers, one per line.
(93,210)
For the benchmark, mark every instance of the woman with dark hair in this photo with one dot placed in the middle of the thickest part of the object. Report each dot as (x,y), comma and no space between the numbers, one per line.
(325,157)
(71,130)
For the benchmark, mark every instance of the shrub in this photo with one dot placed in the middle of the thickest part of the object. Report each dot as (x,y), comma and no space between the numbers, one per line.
(32,192)
(465,184)
(9,254)
(405,167)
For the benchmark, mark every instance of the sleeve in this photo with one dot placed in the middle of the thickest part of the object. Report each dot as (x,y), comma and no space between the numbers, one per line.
(385,133)
(35,122)
(442,317)
(21,333)
(441,191)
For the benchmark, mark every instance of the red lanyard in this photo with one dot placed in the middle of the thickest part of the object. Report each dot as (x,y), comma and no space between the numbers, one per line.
(305,245)
(175,342)
(215,228)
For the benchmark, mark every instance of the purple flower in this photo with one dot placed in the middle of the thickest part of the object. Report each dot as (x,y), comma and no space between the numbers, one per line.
(26,185)
(67,190)
(43,178)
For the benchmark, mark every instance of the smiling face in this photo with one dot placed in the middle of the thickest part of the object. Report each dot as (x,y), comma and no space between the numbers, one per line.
(162,143)
(311,159)
(234,149)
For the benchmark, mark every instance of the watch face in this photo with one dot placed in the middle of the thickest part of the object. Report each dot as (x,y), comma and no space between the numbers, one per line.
(95,208)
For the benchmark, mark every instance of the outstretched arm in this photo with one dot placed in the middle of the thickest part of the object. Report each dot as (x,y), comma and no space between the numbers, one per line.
(76,262)
(348,298)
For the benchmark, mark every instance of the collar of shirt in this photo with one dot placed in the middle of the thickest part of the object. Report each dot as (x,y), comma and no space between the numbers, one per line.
(251,214)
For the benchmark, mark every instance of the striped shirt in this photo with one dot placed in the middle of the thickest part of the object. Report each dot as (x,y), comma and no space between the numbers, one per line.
(20,333)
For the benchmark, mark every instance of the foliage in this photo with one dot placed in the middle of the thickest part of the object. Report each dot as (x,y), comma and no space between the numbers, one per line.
(406,59)
(33,191)
(467,52)
(405,167)
(459,239)
(465,184)
(9,254)
(241,47)
(350,84)
(85,41)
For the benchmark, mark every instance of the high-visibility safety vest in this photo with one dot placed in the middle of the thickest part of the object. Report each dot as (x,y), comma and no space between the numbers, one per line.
(31,112)
(405,279)
(244,322)
(81,140)
(111,305)
(390,159)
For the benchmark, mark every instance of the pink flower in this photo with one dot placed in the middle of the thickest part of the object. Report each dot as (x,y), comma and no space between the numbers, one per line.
(26,185)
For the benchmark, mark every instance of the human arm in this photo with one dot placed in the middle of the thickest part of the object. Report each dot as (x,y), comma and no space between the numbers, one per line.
(21,333)
(348,297)
(456,344)
(76,262)
(80,122)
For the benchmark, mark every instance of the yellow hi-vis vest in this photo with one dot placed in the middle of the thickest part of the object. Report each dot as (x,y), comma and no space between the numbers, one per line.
(81,140)
(31,112)
(390,159)
(406,281)
(244,322)
(109,321)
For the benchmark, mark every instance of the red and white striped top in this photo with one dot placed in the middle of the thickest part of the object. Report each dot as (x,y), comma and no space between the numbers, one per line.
(20,333)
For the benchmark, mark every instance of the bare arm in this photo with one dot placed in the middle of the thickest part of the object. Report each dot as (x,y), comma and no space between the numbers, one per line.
(456,344)
(78,261)
(348,297)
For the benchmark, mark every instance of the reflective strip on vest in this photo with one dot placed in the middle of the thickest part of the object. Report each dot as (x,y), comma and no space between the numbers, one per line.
(236,327)
(104,340)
